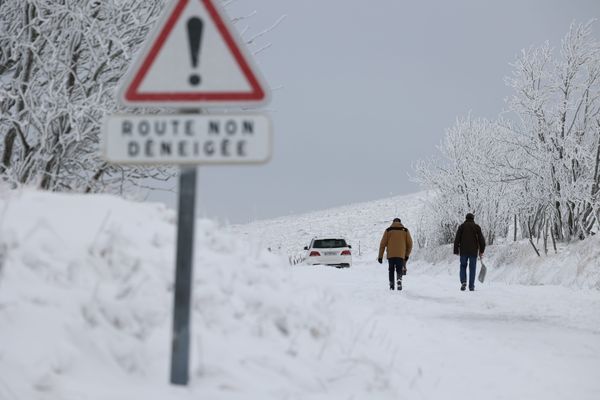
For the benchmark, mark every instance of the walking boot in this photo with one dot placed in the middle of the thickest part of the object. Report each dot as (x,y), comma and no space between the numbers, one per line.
(399,284)
(463,287)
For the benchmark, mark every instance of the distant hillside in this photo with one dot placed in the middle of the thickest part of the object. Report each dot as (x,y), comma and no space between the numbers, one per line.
(362,224)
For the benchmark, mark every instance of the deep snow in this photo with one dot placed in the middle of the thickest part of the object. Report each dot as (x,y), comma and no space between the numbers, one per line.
(86,294)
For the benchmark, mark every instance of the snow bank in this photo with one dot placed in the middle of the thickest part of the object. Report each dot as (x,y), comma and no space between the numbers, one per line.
(85,311)
(576,265)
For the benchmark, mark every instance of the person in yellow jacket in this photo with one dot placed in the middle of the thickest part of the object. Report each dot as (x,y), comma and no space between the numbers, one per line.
(399,244)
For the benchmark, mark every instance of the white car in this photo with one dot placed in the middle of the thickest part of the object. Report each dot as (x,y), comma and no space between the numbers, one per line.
(329,251)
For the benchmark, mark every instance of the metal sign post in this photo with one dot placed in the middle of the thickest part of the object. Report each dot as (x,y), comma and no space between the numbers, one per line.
(220,73)
(180,348)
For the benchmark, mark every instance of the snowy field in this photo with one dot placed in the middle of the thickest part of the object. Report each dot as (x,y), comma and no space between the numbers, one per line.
(86,297)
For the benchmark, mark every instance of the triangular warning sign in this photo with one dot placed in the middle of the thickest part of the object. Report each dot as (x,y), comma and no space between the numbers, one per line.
(193,58)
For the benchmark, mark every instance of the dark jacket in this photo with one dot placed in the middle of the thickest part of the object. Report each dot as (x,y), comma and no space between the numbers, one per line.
(469,239)
(397,240)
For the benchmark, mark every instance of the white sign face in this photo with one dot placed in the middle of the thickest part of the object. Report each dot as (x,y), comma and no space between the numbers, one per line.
(193,58)
(187,139)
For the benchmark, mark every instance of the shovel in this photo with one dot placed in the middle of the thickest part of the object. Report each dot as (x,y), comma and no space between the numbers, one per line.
(482,271)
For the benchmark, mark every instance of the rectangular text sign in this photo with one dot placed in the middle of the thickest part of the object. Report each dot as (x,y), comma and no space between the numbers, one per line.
(187,139)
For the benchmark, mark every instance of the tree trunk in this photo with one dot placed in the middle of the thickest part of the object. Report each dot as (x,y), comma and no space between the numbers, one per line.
(95,178)
(9,142)
(531,240)
(546,238)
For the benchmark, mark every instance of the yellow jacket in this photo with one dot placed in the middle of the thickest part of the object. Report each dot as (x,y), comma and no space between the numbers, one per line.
(398,241)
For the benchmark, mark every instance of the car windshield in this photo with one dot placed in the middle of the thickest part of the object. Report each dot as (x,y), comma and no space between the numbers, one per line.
(329,243)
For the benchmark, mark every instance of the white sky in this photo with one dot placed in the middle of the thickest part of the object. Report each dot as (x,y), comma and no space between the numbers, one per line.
(363,89)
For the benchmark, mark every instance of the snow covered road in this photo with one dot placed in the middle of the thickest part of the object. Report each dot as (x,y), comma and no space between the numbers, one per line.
(499,342)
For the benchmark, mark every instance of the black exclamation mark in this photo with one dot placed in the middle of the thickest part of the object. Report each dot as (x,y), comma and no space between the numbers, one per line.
(195,27)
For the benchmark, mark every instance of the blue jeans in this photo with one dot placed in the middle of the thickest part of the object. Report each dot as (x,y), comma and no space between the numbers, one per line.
(472,261)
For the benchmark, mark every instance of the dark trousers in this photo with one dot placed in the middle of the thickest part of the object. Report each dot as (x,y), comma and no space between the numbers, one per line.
(472,261)
(396,264)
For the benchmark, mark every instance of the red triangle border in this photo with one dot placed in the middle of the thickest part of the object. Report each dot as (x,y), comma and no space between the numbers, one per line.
(132,94)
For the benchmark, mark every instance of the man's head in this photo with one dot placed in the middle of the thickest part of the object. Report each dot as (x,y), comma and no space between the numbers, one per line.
(470,217)
(397,220)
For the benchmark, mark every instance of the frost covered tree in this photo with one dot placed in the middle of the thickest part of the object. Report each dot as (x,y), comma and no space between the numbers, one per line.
(557,103)
(540,166)
(466,179)
(60,61)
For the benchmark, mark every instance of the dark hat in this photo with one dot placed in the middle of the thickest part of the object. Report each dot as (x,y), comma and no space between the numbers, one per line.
(470,216)
(397,220)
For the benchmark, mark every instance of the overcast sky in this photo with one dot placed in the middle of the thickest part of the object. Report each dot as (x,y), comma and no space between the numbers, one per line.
(363,89)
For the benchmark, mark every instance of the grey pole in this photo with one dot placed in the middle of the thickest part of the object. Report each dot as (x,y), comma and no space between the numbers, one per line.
(180,350)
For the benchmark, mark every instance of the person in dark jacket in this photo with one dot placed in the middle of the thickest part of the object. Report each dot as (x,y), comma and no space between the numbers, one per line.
(398,242)
(468,244)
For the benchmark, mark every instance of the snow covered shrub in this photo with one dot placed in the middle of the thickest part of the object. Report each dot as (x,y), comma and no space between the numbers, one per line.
(297,257)
(436,225)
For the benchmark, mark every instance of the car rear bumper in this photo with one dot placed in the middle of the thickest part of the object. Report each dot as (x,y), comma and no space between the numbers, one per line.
(329,260)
